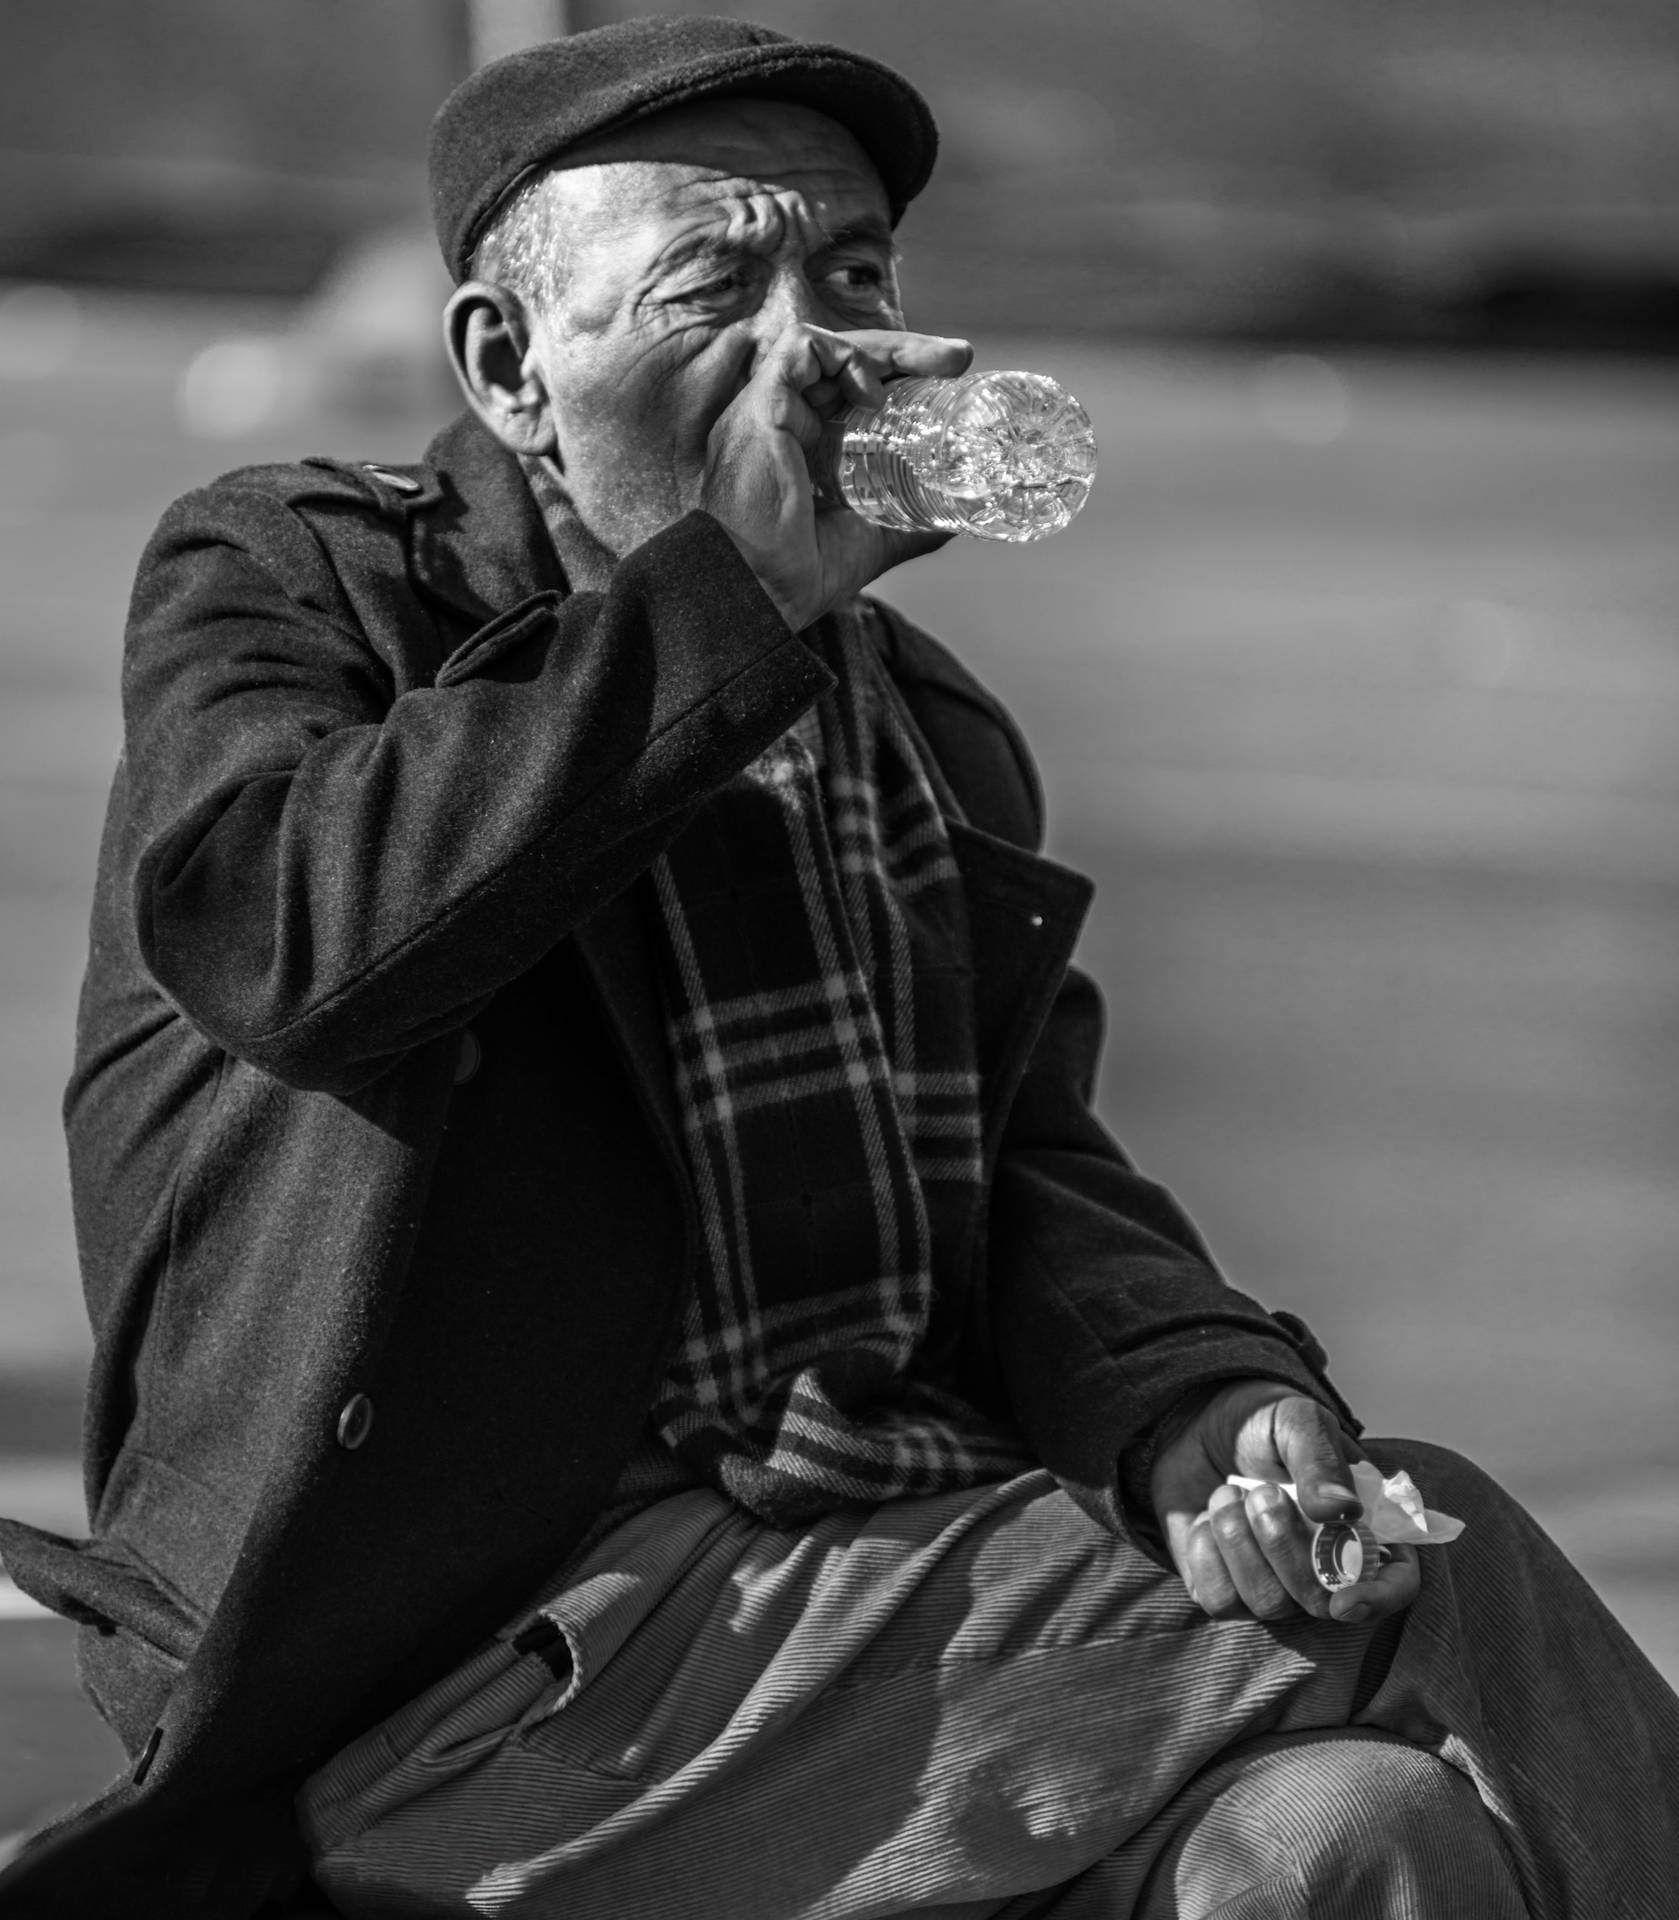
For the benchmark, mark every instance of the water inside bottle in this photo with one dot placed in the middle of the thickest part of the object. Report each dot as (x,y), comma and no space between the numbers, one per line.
(1016,462)
(1006,456)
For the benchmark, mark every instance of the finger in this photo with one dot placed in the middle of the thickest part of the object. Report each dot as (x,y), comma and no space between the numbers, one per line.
(1390,1590)
(781,406)
(832,371)
(1245,1557)
(1200,1565)
(898,547)
(1284,1540)
(801,359)
(806,377)
(893,355)
(1316,1455)
(858,382)
(855,385)
(1205,1574)
(887,355)
(843,377)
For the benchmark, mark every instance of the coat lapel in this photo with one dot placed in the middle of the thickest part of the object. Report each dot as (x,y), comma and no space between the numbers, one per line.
(1024,917)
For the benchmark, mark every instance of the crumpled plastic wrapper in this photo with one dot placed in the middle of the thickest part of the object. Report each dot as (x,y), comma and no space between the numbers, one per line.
(1394,1512)
(1394,1515)
(1393,1508)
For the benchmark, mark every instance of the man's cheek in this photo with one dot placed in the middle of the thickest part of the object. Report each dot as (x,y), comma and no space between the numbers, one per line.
(721,371)
(702,375)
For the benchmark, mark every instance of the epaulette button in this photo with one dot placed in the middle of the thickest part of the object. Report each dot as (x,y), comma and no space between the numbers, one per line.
(401,482)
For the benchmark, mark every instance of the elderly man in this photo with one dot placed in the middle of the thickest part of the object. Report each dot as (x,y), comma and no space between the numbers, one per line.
(629,1379)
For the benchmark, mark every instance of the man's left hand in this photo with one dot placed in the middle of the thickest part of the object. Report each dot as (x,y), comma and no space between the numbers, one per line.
(1249,1555)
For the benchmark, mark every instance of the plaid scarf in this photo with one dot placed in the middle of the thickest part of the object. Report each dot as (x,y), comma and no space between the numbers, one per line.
(820,1019)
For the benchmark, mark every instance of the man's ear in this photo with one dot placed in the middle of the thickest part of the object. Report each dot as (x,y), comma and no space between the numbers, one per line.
(487,335)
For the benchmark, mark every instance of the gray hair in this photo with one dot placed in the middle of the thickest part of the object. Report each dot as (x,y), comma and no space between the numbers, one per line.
(524,249)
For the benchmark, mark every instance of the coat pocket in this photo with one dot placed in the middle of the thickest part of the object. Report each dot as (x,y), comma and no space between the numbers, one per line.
(99,1586)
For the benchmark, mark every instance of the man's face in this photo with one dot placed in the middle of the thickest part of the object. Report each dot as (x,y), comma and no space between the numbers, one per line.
(693,241)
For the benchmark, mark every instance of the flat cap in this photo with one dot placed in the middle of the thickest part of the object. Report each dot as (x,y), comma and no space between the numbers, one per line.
(529,107)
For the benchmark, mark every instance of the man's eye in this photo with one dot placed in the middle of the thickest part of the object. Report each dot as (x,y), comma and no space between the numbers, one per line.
(857,277)
(720,287)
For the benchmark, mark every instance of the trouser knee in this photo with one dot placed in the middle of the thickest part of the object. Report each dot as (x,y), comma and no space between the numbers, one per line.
(1343,1824)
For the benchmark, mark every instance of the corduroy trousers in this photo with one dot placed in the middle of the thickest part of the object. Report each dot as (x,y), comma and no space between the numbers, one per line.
(983,1704)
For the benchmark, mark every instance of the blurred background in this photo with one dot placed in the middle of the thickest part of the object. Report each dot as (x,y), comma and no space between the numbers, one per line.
(1356,686)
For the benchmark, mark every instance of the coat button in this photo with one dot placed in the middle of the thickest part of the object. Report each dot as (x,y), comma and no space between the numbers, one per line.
(398,482)
(469,1059)
(355,1423)
(1034,920)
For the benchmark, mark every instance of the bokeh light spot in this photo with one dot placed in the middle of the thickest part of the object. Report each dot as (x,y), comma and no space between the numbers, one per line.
(232,387)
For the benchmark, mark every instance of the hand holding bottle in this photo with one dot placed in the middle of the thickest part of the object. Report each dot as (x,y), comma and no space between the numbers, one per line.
(756,480)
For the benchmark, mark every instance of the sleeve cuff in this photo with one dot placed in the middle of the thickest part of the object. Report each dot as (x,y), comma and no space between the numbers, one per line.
(1122,1504)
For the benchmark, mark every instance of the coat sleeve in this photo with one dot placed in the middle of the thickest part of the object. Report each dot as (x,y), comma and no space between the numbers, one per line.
(1107,1308)
(330,870)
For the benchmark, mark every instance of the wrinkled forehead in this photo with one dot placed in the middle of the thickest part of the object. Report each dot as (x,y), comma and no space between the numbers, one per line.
(677,162)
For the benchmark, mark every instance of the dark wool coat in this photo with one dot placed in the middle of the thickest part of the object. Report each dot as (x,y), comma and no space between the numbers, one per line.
(383,1215)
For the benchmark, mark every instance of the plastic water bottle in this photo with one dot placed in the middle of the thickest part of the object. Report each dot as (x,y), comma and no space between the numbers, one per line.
(1007,456)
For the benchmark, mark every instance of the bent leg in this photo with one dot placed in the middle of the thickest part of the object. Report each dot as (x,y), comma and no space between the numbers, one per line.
(1511,1669)
(1294,1826)
(938,1704)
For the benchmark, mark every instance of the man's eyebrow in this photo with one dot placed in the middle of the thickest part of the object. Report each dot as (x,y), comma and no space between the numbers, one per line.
(715,243)
(868,229)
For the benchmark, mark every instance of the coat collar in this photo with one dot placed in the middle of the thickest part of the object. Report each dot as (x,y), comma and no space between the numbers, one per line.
(480,546)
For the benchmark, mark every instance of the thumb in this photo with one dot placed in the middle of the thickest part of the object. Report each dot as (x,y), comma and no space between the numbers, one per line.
(1311,1445)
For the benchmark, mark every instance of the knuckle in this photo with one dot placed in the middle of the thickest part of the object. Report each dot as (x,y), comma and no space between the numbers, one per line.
(1201,1556)
(1224,1500)
(1271,1519)
(1206,1573)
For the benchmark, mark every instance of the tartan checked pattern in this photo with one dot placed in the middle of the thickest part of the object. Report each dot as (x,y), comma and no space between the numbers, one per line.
(820,1021)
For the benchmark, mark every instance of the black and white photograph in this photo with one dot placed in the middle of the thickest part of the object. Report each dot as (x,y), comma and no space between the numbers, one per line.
(839,960)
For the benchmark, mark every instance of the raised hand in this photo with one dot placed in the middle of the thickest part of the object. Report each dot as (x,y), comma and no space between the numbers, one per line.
(756,481)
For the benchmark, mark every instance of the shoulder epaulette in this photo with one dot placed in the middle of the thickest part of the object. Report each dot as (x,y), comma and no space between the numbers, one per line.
(397,490)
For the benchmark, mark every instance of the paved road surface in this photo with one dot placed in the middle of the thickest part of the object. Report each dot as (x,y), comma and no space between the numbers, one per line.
(1357,687)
